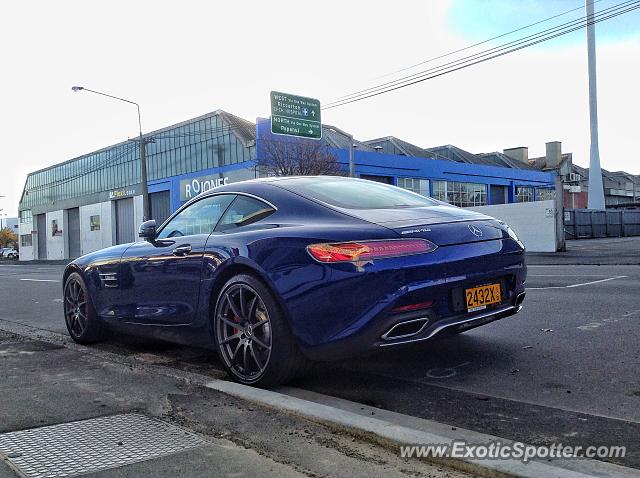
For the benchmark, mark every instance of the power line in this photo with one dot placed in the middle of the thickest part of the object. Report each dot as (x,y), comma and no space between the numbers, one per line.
(429,60)
(486,55)
(480,54)
(90,170)
(123,153)
(483,53)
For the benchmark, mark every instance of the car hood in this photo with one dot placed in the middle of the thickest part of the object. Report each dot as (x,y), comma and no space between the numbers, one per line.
(442,224)
(107,255)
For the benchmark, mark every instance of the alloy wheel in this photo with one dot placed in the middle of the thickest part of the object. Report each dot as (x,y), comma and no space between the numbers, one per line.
(244,332)
(75,308)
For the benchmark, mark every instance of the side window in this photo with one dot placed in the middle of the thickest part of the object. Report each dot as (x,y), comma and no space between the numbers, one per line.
(243,211)
(199,218)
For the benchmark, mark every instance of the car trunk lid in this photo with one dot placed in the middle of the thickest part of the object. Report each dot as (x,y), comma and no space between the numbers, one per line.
(443,225)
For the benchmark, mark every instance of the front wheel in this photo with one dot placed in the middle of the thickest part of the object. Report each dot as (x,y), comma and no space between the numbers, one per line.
(252,336)
(79,314)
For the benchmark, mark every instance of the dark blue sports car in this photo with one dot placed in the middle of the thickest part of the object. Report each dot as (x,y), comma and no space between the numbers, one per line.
(275,273)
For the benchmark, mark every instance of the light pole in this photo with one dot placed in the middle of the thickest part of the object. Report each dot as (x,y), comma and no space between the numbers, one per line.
(143,158)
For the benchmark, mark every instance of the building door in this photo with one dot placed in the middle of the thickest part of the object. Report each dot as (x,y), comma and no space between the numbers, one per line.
(160,206)
(41,227)
(124,221)
(498,195)
(73,232)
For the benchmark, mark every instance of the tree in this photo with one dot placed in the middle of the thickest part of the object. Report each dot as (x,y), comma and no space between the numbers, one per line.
(297,158)
(8,238)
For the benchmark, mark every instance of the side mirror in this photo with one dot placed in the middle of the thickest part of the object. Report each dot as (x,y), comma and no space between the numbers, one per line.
(148,230)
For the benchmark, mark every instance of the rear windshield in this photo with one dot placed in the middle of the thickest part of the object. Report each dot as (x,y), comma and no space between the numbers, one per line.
(356,193)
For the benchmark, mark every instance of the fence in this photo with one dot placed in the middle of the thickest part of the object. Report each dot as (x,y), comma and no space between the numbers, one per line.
(585,223)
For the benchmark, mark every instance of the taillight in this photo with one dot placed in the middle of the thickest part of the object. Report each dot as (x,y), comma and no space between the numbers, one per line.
(368,250)
(410,307)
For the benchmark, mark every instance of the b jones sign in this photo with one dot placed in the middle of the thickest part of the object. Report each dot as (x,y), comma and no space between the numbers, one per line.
(190,188)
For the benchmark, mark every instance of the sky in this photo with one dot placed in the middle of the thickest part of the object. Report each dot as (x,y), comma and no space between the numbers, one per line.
(183,59)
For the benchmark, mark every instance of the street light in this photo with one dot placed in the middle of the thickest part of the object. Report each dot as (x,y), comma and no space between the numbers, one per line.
(143,159)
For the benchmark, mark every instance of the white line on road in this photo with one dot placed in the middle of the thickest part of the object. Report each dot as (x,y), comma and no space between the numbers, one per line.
(566,275)
(40,280)
(576,285)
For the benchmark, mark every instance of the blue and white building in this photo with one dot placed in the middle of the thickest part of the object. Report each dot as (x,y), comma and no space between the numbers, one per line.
(95,201)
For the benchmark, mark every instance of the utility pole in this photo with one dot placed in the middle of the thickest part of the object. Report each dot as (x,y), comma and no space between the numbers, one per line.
(352,163)
(596,188)
(143,155)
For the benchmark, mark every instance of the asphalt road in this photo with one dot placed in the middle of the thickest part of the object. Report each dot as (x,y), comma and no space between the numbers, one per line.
(564,369)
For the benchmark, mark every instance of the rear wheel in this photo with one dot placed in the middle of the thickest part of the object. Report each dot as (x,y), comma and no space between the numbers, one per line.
(252,335)
(79,314)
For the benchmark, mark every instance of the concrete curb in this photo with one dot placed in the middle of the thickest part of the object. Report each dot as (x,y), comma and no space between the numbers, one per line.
(387,428)
(396,435)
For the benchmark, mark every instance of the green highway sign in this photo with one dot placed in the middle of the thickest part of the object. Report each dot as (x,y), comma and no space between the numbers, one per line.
(295,115)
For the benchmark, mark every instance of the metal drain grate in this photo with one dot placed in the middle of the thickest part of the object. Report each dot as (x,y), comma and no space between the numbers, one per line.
(90,445)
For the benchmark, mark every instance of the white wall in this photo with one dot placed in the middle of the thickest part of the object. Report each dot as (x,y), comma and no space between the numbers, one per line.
(137,216)
(533,222)
(93,240)
(56,245)
(27,253)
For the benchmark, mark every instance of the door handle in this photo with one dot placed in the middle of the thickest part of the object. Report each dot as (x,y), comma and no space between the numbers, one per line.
(182,250)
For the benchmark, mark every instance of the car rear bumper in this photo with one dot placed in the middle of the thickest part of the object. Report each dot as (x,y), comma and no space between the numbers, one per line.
(356,312)
(374,338)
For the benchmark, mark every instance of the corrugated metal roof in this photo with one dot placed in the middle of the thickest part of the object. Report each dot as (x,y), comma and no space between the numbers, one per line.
(403,147)
(341,139)
(501,159)
(459,155)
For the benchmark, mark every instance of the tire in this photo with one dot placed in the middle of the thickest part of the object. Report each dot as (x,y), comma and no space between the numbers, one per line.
(252,335)
(79,314)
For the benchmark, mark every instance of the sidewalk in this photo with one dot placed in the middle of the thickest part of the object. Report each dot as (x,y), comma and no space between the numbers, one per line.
(604,251)
(149,424)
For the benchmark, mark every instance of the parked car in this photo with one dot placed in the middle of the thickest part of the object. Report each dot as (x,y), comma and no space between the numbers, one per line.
(275,273)
(9,253)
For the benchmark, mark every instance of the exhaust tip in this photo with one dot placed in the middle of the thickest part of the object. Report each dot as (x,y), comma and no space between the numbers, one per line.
(520,298)
(408,328)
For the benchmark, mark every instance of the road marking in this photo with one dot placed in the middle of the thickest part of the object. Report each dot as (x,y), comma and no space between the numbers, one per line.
(576,285)
(566,275)
(609,320)
(40,280)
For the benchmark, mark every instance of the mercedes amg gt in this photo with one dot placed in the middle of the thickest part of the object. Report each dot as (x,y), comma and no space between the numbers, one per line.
(276,273)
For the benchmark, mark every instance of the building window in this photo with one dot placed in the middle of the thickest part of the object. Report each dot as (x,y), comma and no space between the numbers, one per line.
(460,194)
(524,194)
(440,190)
(417,185)
(25,216)
(94,223)
(545,194)
(25,240)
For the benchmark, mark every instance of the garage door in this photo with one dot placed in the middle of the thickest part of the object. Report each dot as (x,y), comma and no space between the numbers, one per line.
(41,227)
(73,232)
(160,204)
(124,221)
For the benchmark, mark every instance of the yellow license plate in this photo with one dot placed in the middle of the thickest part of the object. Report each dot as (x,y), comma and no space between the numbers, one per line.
(479,298)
